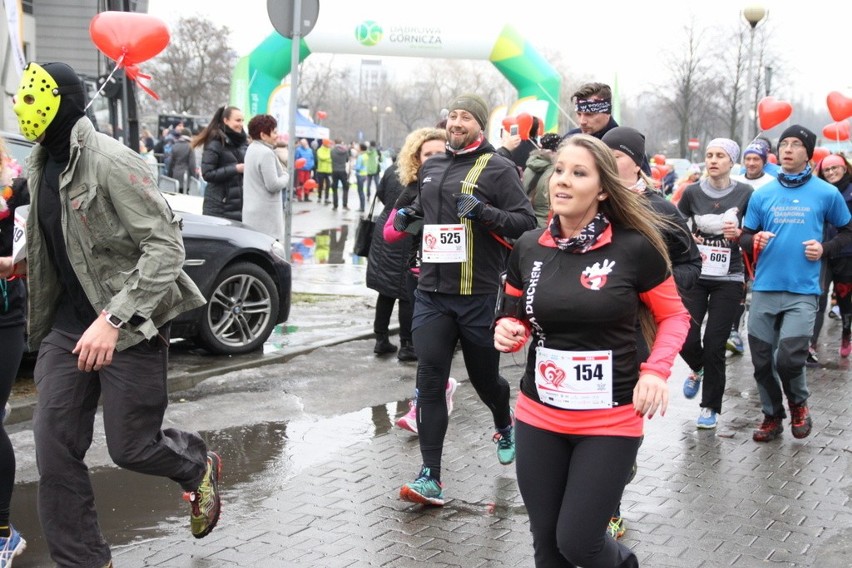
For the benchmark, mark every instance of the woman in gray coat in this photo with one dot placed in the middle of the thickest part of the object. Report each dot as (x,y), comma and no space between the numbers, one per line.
(264,179)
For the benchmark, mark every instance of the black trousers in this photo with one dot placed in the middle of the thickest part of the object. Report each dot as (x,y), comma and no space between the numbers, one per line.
(720,302)
(570,486)
(134,403)
(440,320)
(12,340)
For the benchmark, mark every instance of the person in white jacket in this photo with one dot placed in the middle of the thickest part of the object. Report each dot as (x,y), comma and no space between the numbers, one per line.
(264,179)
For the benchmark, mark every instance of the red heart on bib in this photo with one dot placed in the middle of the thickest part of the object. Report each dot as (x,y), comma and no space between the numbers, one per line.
(551,372)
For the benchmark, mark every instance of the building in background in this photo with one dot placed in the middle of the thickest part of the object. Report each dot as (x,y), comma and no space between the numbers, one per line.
(57,30)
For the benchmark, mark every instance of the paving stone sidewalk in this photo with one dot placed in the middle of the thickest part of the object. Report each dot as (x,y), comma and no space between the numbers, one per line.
(700,498)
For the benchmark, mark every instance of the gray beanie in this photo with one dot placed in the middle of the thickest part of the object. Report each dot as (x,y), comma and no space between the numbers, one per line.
(731,148)
(472,104)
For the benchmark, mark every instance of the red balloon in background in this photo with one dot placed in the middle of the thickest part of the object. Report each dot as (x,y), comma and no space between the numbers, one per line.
(136,36)
(300,163)
(659,159)
(321,115)
(664,170)
(839,107)
(772,112)
(819,154)
(836,131)
(509,121)
(525,121)
(656,173)
(772,158)
(310,184)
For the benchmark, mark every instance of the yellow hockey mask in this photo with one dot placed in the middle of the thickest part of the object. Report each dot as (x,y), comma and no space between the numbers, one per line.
(37,101)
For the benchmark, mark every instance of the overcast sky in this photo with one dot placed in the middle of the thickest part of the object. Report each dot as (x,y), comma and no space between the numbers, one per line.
(626,40)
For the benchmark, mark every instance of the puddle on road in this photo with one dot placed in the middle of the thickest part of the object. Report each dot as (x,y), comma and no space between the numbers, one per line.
(133,508)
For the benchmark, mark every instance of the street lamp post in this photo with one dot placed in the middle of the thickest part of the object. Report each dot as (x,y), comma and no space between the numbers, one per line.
(380,119)
(753,15)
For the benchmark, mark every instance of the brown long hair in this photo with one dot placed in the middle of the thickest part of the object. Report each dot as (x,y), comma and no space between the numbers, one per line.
(626,208)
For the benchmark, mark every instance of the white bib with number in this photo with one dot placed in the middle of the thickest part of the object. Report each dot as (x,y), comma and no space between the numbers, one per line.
(715,261)
(574,380)
(444,243)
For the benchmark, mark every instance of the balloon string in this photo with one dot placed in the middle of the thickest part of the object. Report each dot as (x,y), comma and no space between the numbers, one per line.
(103,86)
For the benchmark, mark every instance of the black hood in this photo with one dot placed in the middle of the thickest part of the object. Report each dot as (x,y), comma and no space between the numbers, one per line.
(72,107)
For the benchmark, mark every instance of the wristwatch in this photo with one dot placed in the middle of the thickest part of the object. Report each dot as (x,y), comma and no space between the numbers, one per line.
(113,320)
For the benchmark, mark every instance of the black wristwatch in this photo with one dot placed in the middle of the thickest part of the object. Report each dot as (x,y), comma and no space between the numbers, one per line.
(113,320)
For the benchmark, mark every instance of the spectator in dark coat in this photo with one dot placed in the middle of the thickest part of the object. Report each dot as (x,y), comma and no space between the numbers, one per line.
(182,164)
(387,269)
(225,143)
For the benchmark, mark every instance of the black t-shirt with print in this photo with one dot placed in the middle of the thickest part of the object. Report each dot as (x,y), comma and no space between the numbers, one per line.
(585,302)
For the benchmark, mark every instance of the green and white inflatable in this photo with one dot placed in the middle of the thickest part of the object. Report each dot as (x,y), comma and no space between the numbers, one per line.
(441,29)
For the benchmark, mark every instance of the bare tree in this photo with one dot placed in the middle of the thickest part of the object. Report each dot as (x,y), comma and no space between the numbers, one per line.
(193,74)
(688,98)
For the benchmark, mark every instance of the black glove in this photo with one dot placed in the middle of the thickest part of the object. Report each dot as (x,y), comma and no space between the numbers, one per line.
(405,217)
(468,206)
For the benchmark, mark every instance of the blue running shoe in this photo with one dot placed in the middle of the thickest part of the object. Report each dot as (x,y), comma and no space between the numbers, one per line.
(735,343)
(10,547)
(692,384)
(707,419)
(425,490)
(505,441)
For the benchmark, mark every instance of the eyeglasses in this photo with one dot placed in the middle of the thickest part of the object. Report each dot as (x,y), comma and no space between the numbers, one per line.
(792,144)
(832,169)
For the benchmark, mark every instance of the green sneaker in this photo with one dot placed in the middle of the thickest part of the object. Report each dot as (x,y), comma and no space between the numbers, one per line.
(506,444)
(425,490)
(616,527)
(205,501)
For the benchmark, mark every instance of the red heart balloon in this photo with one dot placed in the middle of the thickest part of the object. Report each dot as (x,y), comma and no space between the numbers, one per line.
(136,36)
(508,121)
(772,159)
(311,184)
(321,115)
(836,131)
(839,107)
(819,154)
(300,163)
(772,112)
(525,121)
(659,159)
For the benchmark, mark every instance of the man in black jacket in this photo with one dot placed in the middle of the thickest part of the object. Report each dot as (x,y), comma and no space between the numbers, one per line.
(471,200)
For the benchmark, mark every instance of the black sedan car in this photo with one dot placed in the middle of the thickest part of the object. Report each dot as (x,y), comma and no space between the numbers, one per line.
(243,274)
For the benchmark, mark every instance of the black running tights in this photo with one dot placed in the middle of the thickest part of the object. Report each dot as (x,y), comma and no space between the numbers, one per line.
(570,486)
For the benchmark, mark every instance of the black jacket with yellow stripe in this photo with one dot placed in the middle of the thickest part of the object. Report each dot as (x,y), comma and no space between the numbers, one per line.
(493,180)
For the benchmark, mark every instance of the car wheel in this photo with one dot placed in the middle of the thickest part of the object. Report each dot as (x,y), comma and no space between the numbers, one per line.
(240,314)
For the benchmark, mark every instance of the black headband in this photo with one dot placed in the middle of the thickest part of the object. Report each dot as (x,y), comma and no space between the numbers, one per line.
(593,106)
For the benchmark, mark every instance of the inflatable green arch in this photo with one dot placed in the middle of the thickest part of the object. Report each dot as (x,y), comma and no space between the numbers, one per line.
(258,74)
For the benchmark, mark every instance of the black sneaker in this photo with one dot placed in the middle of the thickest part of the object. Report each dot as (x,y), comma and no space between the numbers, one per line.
(813,358)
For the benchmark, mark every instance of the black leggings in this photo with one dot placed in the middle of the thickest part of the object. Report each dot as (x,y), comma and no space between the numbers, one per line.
(435,340)
(719,301)
(384,310)
(12,340)
(570,486)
